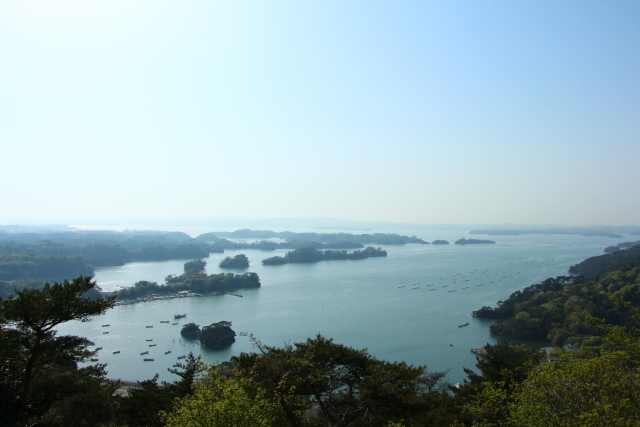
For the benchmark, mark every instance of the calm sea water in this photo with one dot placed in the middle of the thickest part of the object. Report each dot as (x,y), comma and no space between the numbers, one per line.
(404,307)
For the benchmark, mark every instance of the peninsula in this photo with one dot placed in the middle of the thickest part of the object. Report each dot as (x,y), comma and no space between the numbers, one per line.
(191,281)
(558,310)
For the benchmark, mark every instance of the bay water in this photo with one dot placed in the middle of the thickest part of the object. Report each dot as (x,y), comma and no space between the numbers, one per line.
(405,307)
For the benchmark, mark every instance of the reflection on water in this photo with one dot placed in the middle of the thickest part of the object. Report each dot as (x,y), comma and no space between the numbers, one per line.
(398,307)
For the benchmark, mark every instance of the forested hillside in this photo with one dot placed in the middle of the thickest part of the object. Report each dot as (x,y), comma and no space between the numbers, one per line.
(601,265)
(558,310)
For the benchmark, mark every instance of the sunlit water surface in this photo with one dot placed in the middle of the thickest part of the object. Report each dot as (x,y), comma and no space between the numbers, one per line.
(406,306)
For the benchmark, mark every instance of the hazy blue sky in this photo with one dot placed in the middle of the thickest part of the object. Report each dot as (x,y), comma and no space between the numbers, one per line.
(432,112)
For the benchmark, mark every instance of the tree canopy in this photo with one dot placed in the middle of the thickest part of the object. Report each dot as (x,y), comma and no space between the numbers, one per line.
(313,255)
(43,372)
(557,310)
(195,265)
(217,335)
(238,261)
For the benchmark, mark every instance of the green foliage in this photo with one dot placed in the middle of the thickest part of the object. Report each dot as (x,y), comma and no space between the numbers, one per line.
(27,266)
(586,388)
(484,395)
(217,335)
(224,402)
(193,281)
(274,260)
(142,406)
(238,261)
(190,330)
(41,374)
(145,404)
(558,310)
(195,265)
(188,371)
(601,391)
(344,385)
(49,259)
(313,255)
(620,247)
(599,266)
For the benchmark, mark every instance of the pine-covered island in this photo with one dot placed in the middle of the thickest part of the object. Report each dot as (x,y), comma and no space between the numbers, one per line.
(313,255)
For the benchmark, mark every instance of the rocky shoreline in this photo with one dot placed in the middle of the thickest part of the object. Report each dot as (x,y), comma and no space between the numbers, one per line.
(479,351)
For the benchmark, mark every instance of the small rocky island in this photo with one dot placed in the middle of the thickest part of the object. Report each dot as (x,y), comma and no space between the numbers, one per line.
(238,261)
(190,330)
(215,336)
(195,265)
(440,242)
(464,241)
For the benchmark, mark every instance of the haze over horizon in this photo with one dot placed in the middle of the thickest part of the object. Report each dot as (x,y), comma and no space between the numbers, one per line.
(422,113)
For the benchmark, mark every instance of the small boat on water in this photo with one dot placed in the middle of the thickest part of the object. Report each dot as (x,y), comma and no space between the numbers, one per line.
(105,332)
(167,352)
(181,357)
(149,326)
(152,345)
(148,360)
(150,340)
(105,325)
(179,316)
(175,323)
(144,352)
(94,360)
(463,325)
(164,321)
(116,352)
